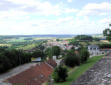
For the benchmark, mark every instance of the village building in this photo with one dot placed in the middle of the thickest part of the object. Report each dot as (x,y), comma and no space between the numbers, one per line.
(64,45)
(94,50)
(36,59)
(35,75)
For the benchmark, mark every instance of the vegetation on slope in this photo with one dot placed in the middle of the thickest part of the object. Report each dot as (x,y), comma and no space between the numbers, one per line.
(78,71)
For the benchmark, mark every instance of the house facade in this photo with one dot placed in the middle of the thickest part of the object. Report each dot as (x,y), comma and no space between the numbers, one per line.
(94,50)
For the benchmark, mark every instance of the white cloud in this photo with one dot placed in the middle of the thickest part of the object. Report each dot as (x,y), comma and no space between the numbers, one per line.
(20,20)
(65,25)
(70,10)
(96,9)
(106,20)
(42,7)
(69,1)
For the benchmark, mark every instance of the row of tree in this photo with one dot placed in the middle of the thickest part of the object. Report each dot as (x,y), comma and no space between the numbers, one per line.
(84,38)
(102,46)
(49,52)
(72,58)
(10,58)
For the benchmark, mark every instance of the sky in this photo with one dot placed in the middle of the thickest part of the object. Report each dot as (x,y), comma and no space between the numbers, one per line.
(29,17)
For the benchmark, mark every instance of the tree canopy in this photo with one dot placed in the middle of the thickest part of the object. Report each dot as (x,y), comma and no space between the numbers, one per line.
(107,34)
(71,59)
(84,38)
(84,55)
(10,58)
(60,74)
(56,50)
(53,51)
(38,53)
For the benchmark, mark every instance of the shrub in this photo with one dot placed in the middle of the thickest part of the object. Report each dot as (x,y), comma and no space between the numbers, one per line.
(71,59)
(84,55)
(60,74)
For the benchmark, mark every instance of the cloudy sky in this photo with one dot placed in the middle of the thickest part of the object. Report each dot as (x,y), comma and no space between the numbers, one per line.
(54,16)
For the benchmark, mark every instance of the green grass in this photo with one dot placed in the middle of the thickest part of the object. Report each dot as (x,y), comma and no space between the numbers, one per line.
(78,71)
(30,46)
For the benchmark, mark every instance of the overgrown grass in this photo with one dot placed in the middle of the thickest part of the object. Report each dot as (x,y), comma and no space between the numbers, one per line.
(78,71)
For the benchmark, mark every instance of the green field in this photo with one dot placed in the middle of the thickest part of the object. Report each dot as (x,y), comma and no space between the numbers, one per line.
(24,43)
(78,71)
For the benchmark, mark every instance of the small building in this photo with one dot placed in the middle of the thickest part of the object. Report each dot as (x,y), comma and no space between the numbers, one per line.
(35,75)
(94,50)
(37,59)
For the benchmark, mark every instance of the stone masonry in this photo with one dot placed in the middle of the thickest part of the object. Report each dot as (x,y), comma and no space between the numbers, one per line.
(99,74)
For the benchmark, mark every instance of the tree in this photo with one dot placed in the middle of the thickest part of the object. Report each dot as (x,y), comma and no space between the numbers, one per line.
(10,58)
(102,46)
(107,34)
(40,47)
(83,38)
(60,74)
(84,55)
(58,39)
(96,39)
(56,50)
(53,51)
(48,52)
(71,59)
(74,42)
(38,53)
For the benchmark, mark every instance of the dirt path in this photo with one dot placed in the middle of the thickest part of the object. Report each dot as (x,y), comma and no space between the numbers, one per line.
(99,74)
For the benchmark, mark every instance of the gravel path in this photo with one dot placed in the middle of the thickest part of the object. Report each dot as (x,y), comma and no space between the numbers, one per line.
(99,74)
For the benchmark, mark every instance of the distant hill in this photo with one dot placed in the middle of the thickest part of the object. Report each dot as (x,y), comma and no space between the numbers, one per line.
(51,35)
(55,36)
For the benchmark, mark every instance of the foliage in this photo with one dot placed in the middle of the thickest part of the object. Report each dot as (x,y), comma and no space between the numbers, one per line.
(84,55)
(53,51)
(48,52)
(60,74)
(56,50)
(40,47)
(10,58)
(96,39)
(38,53)
(73,42)
(84,38)
(105,46)
(58,39)
(71,59)
(78,71)
(107,33)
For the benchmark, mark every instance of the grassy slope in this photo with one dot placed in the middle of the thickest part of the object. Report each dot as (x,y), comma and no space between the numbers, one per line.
(78,71)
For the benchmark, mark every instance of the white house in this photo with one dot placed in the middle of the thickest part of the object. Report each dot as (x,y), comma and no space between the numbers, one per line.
(94,50)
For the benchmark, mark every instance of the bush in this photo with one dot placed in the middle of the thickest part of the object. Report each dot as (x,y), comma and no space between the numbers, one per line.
(12,58)
(56,50)
(84,38)
(53,51)
(38,53)
(84,55)
(71,59)
(60,74)
(102,46)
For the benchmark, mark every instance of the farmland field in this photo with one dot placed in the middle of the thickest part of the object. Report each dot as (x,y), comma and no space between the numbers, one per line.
(29,41)
(20,42)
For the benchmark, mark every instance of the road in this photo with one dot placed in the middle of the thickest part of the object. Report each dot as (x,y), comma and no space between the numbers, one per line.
(99,74)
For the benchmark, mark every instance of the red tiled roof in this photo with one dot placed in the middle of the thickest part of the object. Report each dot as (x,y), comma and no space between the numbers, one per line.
(52,63)
(36,75)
